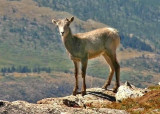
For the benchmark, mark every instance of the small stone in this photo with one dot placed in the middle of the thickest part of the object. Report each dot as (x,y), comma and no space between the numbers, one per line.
(2,103)
(70,103)
(139,109)
(156,111)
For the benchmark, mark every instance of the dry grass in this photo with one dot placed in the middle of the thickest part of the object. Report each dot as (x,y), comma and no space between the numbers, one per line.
(128,54)
(157,87)
(131,53)
(145,104)
(149,103)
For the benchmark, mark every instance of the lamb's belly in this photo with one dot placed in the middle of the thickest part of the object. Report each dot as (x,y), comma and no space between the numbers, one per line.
(91,55)
(95,50)
(95,54)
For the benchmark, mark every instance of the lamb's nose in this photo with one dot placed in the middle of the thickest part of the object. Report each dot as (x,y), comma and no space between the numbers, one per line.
(62,33)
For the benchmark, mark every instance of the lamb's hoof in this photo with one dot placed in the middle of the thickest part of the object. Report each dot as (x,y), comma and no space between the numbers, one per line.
(74,93)
(105,87)
(83,93)
(115,90)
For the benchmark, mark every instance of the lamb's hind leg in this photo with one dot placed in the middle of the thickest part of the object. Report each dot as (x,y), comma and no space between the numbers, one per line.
(111,66)
(112,60)
(76,65)
(117,74)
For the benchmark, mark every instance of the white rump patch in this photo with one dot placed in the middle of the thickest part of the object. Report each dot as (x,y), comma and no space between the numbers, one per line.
(112,29)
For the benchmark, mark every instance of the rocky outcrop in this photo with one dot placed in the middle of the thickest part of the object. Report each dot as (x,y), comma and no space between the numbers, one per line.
(22,107)
(96,97)
(92,103)
(129,91)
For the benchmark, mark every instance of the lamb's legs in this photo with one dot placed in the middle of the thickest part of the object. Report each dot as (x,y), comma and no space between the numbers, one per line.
(117,74)
(108,81)
(84,67)
(114,66)
(76,65)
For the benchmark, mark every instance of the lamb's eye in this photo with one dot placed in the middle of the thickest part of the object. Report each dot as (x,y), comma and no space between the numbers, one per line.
(59,23)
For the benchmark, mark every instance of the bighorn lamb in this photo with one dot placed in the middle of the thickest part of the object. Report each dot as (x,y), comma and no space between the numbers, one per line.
(84,46)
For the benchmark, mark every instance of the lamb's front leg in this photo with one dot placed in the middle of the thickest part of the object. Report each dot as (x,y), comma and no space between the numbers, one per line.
(84,67)
(76,66)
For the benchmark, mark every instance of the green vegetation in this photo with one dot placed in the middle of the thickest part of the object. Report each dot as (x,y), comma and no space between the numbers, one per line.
(98,69)
(156,87)
(135,43)
(25,69)
(28,43)
(136,78)
(129,17)
(143,63)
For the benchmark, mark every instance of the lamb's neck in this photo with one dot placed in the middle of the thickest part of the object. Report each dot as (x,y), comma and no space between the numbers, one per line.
(68,40)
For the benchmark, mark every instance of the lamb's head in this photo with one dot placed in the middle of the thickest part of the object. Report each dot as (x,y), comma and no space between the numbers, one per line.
(63,25)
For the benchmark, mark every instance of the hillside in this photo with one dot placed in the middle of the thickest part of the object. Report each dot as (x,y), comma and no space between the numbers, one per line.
(27,36)
(138,17)
(32,87)
(29,39)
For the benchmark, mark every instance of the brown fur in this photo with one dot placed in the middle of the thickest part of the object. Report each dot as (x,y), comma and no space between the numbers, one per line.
(84,46)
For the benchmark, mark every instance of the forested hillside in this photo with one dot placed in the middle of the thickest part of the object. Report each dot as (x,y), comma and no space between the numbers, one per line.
(138,17)
(28,38)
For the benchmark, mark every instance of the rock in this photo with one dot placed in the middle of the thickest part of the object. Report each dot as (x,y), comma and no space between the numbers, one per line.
(138,110)
(96,97)
(22,107)
(156,111)
(129,91)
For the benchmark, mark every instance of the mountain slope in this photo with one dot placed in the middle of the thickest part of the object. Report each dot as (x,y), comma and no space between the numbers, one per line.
(138,17)
(27,35)
(28,38)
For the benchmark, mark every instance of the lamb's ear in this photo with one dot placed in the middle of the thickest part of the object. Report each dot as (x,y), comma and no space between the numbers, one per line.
(67,19)
(54,21)
(72,18)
